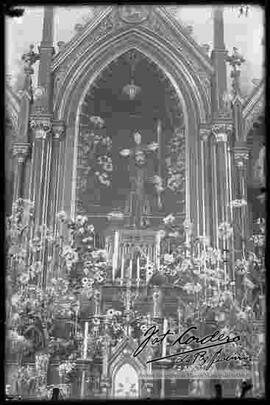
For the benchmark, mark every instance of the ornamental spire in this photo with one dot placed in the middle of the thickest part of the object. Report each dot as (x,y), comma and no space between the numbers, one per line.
(219,61)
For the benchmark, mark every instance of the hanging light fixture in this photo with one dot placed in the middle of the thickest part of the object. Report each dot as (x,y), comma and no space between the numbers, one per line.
(131,89)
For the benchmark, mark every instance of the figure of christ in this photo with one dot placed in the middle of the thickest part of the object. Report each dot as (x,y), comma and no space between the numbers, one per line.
(139,175)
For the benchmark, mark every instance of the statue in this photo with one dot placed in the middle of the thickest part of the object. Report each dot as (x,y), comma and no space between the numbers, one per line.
(139,176)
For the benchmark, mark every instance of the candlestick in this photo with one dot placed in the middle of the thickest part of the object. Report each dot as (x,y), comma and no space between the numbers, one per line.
(164,343)
(138,269)
(179,319)
(130,269)
(115,254)
(147,268)
(122,268)
(158,250)
(85,339)
(82,384)
(159,144)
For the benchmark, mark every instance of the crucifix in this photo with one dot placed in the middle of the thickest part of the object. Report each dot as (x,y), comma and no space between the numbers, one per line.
(138,169)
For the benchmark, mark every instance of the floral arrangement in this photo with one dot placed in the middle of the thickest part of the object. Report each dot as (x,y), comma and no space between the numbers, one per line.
(176,162)
(95,154)
(33,306)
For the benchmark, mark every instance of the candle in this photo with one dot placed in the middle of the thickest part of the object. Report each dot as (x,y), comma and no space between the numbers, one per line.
(158,251)
(115,254)
(122,268)
(164,343)
(179,319)
(138,269)
(130,269)
(159,144)
(147,268)
(85,339)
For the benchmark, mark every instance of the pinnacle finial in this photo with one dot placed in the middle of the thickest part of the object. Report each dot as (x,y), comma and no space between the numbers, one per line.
(235,60)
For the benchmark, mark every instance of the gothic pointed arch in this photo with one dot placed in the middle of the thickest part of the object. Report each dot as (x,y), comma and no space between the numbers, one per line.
(187,71)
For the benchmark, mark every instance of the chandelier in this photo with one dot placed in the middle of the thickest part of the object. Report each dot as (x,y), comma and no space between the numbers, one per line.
(131,89)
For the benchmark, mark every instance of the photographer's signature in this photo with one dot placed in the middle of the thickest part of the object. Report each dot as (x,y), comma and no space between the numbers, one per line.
(214,339)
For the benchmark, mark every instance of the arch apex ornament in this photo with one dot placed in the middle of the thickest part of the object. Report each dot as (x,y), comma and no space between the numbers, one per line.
(134,14)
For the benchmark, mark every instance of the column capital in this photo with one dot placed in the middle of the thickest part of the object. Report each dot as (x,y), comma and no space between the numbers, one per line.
(58,130)
(20,151)
(241,155)
(221,131)
(42,125)
(205,132)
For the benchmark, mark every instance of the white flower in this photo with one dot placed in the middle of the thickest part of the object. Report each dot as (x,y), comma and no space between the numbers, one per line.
(168,258)
(188,225)
(100,279)
(169,219)
(85,281)
(15,299)
(81,220)
(238,203)
(225,230)
(62,216)
(144,328)
(110,312)
(174,234)
(204,239)
(96,321)
(188,287)
(153,146)
(125,152)
(186,264)
(97,121)
(162,234)
(108,167)
(90,228)
(241,266)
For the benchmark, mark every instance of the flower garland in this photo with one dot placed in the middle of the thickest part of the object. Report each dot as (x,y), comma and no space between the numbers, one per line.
(176,162)
(95,155)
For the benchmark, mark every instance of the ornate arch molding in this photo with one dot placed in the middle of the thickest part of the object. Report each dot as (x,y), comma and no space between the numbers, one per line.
(12,108)
(84,70)
(122,355)
(254,108)
(192,94)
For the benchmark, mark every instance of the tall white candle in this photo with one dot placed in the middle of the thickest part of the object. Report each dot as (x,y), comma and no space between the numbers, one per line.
(138,269)
(158,250)
(122,268)
(164,343)
(147,267)
(85,339)
(115,254)
(130,269)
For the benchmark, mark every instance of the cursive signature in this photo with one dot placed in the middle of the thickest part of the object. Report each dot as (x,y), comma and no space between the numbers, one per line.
(206,360)
(153,337)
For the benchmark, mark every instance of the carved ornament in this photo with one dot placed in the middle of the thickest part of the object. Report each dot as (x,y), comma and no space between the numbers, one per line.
(204,134)
(134,14)
(41,125)
(21,150)
(58,130)
(221,131)
(241,155)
